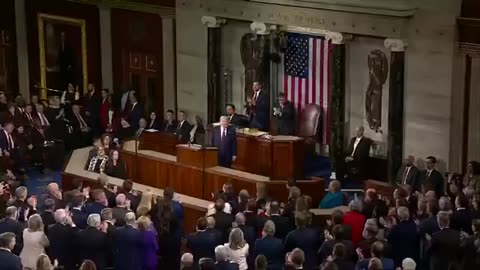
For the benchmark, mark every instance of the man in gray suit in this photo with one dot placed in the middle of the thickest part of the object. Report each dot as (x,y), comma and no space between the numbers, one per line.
(408,173)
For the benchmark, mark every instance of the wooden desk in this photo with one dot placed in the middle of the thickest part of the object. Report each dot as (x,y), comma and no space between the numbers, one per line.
(278,157)
(215,177)
(320,216)
(194,208)
(197,156)
(382,188)
(159,141)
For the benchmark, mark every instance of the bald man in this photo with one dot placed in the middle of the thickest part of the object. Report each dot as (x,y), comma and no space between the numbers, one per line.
(225,139)
(358,152)
(408,173)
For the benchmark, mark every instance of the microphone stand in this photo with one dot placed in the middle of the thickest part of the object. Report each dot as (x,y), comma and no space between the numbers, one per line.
(204,149)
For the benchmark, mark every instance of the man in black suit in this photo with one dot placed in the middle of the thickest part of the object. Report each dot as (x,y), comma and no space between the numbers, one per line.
(183,127)
(25,210)
(12,225)
(259,107)
(357,155)
(403,238)
(282,224)
(285,115)
(7,144)
(462,217)
(443,245)
(431,179)
(336,237)
(81,130)
(223,221)
(223,262)
(234,118)
(202,243)
(93,102)
(225,139)
(91,243)
(100,202)
(120,210)
(136,112)
(107,219)
(79,217)
(169,124)
(8,260)
(60,236)
(47,215)
(128,244)
(408,173)
(271,247)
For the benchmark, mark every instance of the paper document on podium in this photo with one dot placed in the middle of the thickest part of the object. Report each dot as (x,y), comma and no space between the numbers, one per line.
(151,130)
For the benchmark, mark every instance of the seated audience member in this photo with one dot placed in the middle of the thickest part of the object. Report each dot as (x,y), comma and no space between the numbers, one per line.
(149,247)
(224,262)
(100,202)
(169,125)
(186,262)
(9,224)
(154,122)
(261,263)
(410,264)
(120,210)
(337,237)
(34,242)
(334,197)
(282,224)
(403,238)
(223,221)
(183,127)
(7,144)
(24,146)
(81,130)
(115,166)
(377,254)
(92,242)
(142,125)
(41,116)
(305,238)
(88,265)
(355,220)
(60,236)
(271,247)
(125,131)
(8,260)
(12,115)
(98,162)
(237,248)
(202,243)
(297,259)
(443,245)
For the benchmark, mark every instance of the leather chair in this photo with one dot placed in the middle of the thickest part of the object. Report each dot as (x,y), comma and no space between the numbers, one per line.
(309,124)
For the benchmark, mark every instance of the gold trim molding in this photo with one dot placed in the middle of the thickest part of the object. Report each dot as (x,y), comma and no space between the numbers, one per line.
(41,18)
(166,12)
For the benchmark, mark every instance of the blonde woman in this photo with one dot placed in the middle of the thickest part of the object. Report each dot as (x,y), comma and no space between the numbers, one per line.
(237,248)
(43,263)
(145,204)
(34,242)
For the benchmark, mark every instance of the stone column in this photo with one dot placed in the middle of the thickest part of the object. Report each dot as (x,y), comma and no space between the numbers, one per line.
(22,49)
(106,46)
(168,43)
(337,104)
(395,106)
(214,76)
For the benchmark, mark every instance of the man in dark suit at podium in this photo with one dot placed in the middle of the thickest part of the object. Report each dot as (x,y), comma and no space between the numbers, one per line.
(358,154)
(285,115)
(236,119)
(225,139)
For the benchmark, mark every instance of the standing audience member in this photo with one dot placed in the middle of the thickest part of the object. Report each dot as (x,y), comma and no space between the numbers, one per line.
(296,258)
(34,242)
(120,210)
(282,224)
(223,221)
(128,244)
(167,227)
(355,220)
(403,238)
(43,263)
(88,265)
(149,248)
(12,225)
(261,263)
(186,262)
(237,248)
(377,254)
(431,179)
(202,243)
(443,245)
(60,236)
(8,260)
(271,247)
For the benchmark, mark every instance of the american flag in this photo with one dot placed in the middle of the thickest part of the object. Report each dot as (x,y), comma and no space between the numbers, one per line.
(306,75)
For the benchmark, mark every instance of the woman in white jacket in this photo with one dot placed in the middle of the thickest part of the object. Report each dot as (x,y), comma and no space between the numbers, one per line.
(237,248)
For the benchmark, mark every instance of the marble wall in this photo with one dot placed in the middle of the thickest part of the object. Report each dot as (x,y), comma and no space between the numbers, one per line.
(191,62)
(357,81)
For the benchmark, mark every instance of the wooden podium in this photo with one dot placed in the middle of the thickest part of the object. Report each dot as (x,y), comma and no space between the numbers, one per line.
(278,157)
(197,156)
(160,141)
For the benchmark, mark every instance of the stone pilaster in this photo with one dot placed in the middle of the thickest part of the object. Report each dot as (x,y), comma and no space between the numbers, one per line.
(337,103)
(22,49)
(214,72)
(106,46)
(396,107)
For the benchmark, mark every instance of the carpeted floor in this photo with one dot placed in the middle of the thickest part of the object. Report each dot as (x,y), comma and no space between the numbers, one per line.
(37,181)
